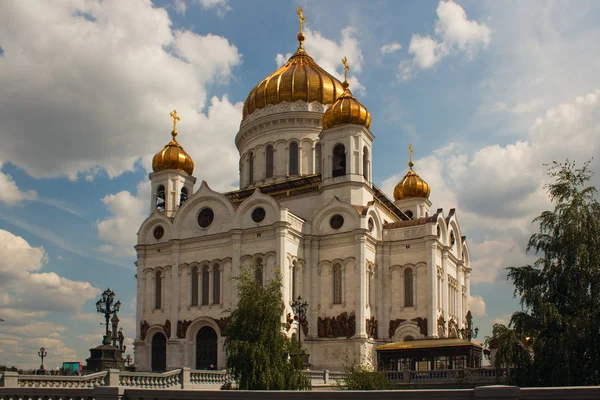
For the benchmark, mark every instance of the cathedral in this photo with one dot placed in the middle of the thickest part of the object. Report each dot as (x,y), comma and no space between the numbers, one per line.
(372,270)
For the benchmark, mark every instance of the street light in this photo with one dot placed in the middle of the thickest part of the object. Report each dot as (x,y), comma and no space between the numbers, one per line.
(299,308)
(128,360)
(42,353)
(468,332)
(105,306)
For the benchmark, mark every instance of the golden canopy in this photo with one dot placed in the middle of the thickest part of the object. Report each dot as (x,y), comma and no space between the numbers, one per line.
(300,78)
(412,185)
(172,156)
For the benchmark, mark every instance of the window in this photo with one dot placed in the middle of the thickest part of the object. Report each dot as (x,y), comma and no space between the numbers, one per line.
(160,198)
(258,271)
(158,290)
(337,284)
(250,168)
(183,195)
(216,284)
(269,161)
(408,287)
(442,362)
(459,362)
(318,158)
(339,160)
(205,278)
(294,291)
(409,214)
(205,217)
(195,286)
(366,163)
(294,159)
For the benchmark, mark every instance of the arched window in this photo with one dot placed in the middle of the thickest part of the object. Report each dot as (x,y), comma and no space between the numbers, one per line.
(269,155)
(337,284)
(250,168)
(183,195)
(366,163)
(408,287)
(339,160)
(205,278)
(318,160)
(258,271)
(195,286)
(294,291)
(294,158)
(158,290)
(160,198)
(216,284)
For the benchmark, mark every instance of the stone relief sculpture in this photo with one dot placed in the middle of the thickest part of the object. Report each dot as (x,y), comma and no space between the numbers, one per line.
(422,324)
(394,324)
(340,326)
(182,327)
(304,325)
(452,328)
(144,326)
(371,327)
(167,329)
(441,326)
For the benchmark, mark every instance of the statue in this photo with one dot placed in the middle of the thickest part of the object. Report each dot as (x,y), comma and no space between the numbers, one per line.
(333,327)
(121,339)
(144,329)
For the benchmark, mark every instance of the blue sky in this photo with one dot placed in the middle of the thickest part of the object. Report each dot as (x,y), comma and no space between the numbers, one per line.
(486,91)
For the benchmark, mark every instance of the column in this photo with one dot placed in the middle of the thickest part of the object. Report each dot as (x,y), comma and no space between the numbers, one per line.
(236,242)
(282,262)
(430,249)
(445,291)
(314,293)
(386,303)
(211,281)
(361,286)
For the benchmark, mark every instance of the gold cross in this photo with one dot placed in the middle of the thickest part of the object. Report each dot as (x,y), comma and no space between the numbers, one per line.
(346,68)
(410,149)
(176,119)
(301,16)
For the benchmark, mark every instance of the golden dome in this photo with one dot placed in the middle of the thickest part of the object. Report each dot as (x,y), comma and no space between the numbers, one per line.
(412,185)
(300,78)
(172,156)
(346,109)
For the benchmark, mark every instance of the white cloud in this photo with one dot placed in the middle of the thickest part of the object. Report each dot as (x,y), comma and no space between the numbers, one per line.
(10,194)
(220,6)
(329,53)
(103,80)
(390,48)
(454,34)
(477,306)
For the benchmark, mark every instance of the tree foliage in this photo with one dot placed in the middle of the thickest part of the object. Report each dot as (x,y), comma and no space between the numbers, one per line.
(362,376)
(511,351)
(560,293)
(259,355)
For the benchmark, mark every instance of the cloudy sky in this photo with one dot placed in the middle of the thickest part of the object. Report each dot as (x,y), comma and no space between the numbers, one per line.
(487,92)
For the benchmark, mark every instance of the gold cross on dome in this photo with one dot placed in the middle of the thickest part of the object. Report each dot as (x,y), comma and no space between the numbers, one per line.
(176,119)
(346,67)
(410,150)
(301,16)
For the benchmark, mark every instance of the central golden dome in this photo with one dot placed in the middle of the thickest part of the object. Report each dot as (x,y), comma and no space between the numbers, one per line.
(300,78)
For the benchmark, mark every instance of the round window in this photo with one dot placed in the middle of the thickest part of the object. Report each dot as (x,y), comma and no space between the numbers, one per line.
(336,221)
(159,231)
(408,213)
(205,217)
(258,214)
(371,225)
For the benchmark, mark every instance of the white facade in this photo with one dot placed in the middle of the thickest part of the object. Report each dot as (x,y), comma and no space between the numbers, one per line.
(407,277)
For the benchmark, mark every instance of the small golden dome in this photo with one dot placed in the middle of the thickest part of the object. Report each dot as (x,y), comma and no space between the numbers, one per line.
(172,156)
(300,78)
(412,185)
(346,109)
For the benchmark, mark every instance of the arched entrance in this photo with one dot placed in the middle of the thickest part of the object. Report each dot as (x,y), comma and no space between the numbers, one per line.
(206,348)
(159,352)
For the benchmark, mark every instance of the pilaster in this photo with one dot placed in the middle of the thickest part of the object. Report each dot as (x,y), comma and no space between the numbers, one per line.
(361,274)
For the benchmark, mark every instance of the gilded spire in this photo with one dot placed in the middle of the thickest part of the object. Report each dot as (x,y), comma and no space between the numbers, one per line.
(346,69)
(176,119)
(301,34)
(410,150)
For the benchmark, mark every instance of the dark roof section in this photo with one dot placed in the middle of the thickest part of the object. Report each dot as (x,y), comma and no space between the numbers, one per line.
(389,204)
(450,214)
(413,222)
(277,190)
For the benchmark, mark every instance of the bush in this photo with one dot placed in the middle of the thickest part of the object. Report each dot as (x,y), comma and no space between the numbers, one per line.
(363,376)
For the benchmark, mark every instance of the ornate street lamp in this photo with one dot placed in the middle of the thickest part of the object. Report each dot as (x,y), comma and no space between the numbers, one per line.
(299,308)
(468,332)
(42,353)
(128,360)
(105,306)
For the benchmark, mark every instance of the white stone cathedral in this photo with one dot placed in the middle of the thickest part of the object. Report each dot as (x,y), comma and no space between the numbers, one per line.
(372,270)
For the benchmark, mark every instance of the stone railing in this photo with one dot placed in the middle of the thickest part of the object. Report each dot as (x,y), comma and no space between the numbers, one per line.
(199,378)
(13,379)
(149,380)
(468,375)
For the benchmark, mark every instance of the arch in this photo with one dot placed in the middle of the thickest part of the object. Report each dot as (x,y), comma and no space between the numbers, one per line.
(406,329)
(158,353)
(250,168)
(318,158)
(206,348)
(183,196)
(216,284)
(269,161)
(339,160)
(145,233)
(441,223)
(158,285)
(294,159)
(195,287)
(242,216)
(160,198)
(320,222)
(366,163)
(205,285)
(408,288)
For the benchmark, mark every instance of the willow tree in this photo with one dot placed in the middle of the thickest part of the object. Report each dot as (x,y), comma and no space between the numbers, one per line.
(560,293)
(259,355)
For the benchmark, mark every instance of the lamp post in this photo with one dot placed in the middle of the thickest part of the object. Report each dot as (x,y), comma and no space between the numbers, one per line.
(299,308)
(42,353)
(105,306)
(468,332)
(128,360)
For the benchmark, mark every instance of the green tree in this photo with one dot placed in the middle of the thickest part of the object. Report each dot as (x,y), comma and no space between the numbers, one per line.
(512,353)
(259,355)
(362,376)
(560,293)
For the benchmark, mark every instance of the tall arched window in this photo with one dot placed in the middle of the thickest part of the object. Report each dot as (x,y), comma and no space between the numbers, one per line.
(205,278)
(195,286)
(183,195)
(294,291)
(294,158)
(216,284)
(158,290)
(366,163)
(160,198)
(339,160)
(258,271)
(408,287)
(337,284)
(250,168)
(269,161)
(318,160)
